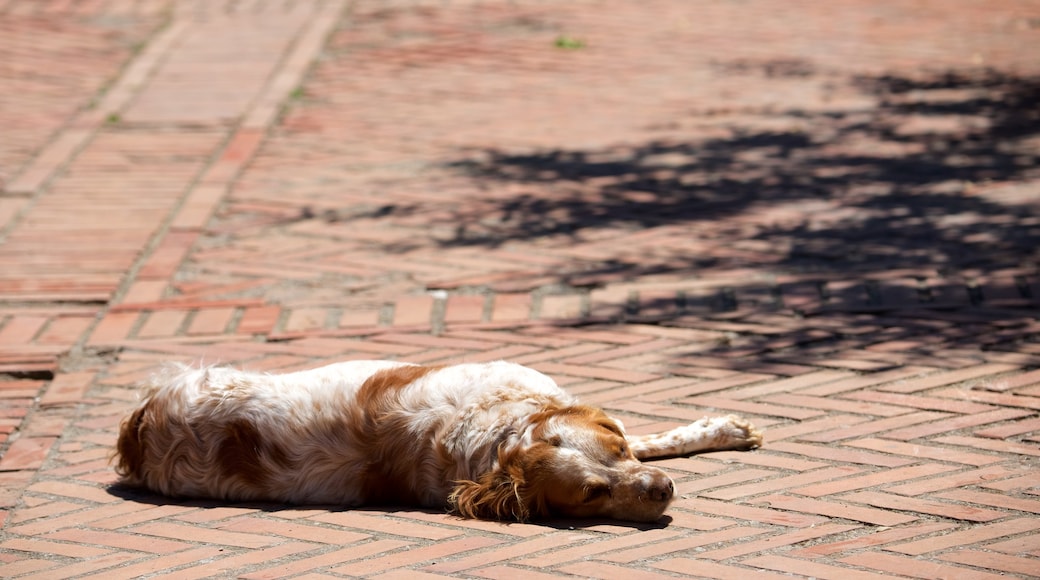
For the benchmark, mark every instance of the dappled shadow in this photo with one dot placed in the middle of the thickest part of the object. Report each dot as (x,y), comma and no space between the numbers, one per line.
(930,177)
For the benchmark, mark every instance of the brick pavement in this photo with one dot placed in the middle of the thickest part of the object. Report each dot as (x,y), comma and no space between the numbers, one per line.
(821,216)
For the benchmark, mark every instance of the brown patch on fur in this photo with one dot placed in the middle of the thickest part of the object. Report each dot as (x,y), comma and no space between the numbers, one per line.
(590,414)
(388,381)
(244,454)
(389,476)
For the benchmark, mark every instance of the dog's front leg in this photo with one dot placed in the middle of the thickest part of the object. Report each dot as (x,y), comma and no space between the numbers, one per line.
(708,434)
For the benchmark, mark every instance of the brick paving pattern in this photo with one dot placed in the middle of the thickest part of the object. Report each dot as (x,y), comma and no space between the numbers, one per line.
(822,216)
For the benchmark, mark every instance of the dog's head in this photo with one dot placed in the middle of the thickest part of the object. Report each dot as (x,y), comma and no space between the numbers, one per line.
(572,462)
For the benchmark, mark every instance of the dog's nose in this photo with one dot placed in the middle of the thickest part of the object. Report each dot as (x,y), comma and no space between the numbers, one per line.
(661,490)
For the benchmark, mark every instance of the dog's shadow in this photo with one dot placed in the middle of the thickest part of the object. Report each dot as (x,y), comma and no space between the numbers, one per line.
(141,496)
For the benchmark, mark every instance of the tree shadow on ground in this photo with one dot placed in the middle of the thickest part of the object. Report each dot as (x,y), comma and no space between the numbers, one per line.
(942,173)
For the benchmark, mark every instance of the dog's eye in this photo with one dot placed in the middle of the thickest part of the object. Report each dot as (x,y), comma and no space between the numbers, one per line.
(623,450)
(555,441)
(596,492)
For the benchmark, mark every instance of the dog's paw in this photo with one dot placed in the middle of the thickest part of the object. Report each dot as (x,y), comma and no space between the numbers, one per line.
(741,434)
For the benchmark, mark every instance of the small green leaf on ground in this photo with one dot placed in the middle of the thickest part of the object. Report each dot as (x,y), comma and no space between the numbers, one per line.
(568,42)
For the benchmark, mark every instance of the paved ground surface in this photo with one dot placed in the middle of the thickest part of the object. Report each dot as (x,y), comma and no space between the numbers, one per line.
(821,215)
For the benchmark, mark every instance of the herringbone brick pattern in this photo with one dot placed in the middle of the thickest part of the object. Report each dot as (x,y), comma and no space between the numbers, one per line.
(821,216)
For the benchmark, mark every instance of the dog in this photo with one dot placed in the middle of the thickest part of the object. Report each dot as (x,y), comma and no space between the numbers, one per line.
(494,440)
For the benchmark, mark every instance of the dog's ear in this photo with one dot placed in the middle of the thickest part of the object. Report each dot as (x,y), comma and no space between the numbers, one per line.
(510,491)
(495,496)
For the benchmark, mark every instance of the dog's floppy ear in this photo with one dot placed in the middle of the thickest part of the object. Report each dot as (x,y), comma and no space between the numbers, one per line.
(505,493)
(495,496)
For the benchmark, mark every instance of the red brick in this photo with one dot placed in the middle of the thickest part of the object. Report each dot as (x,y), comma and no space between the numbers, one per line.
(21,567)
(835,510)
(831,421)
(327,559)
(561,306)
(26,453)
(155,565)
(1004,563)
(146,291)
(21,329)
(165,260)
(989,445)
(259,320)
(913,567)
(804,568)
(67,389)
(82,567)
(73,490)
(749,513)
(784,539)
(724,480)
(48,547)
(594,569)
(918,450)
(360,317)
(198,207)
(706,569)
(684,544)
(873,427)
(875,538)
(895,376)
(479,526)
(242,561)
(919,402)
(509,573)
(45,510)
(997,500)
(949,378)
(960,479)
(117,540)
(413,310)
(385,525)
(1012,430)
(587,550)
(65,330)
(303,319)
(415,556)
(955,423)
(547,542)
(162,323)
(948,510)
(210,321)
(511,307)
(751,408)
(1029,544)
(204,535)
(973,535)
(873,479)
(464,308)
(298,531)
(624,376)
(240,149)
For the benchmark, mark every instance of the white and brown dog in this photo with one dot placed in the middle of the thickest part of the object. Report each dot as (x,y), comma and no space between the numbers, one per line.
(492,440)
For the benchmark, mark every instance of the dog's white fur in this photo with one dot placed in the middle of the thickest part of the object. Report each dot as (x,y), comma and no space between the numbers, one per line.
(491,440)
